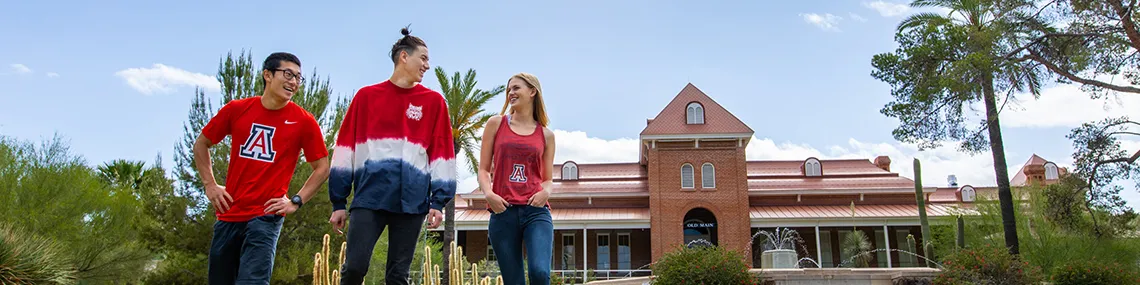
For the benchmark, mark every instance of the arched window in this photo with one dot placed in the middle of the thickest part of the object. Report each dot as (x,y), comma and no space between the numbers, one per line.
(570,171)
(708,176)
(968,193)
(812,167)
(1051,171)
(695,114)
(687,176)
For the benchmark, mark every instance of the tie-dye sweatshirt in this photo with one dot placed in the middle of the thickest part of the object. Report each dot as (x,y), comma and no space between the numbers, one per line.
(395,149)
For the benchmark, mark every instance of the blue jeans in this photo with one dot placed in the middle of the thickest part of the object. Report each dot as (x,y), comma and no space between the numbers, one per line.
(242,253)
(523,225)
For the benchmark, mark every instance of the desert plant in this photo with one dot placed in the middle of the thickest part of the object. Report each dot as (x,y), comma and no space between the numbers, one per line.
(1093,272)
(987,265)
(26,259)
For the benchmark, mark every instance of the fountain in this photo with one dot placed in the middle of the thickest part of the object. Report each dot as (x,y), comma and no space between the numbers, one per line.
(780,249)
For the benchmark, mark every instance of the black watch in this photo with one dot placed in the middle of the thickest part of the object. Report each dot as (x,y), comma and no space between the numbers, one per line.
(297,200)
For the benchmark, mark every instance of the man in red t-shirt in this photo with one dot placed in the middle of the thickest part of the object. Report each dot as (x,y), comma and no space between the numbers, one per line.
(268,133)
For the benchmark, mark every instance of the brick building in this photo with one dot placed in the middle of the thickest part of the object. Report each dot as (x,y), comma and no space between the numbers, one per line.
(692,181)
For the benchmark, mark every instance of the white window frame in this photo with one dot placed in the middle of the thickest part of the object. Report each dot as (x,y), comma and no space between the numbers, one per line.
(573,262)
(692,178)
(629,254)
(694,114)
(969,194)
(569,171)
(709,176)
(490,252)
(1052,172)
(609,248)
(813,167)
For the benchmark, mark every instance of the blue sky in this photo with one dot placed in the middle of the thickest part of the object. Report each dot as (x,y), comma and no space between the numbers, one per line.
(797,72)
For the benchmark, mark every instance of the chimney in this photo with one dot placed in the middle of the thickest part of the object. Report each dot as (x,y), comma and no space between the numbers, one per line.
(648,121)
(952,180)
(883,162)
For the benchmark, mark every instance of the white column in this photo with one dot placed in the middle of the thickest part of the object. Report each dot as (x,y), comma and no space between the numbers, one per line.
(887,243)
(818,249)
(585,253)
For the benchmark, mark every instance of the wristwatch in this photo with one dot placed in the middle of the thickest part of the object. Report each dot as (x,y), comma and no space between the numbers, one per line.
(297,200)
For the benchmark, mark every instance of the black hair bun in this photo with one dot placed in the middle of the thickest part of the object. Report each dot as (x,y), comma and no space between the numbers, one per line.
(405,31)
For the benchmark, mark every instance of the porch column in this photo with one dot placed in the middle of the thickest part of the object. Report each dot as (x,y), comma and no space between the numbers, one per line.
(818,249)
(887,243)
(585,253)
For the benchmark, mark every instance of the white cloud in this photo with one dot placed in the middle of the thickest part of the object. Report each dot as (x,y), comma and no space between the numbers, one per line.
(827,22)
(20,68)
(856,17)
(163,79)
(888,9)
(52,74)
(1065,106)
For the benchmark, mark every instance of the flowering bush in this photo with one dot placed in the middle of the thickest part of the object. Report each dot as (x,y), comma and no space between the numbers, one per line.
(987,265)
(1092,272)
(702,265)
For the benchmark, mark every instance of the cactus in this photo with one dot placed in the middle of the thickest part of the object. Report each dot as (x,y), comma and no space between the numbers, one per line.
(928,245)
(323,274)
(961,232)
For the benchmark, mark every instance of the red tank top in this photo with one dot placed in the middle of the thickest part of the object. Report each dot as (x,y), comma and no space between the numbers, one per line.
(517,163)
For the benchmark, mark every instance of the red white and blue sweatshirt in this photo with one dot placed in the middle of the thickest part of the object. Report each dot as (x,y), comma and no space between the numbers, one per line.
(395,149)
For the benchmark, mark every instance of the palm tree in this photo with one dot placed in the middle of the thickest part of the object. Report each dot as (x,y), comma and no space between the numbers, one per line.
(958,58)
(122,173)
(465,107)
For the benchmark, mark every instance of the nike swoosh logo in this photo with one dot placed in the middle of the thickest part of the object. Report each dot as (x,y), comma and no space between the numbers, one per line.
(287,122)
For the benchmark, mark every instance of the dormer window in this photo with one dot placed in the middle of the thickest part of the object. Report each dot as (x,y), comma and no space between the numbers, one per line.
(570,171)
(687,176)
(968,194)
(812,167)
(1051,171)
(694,114)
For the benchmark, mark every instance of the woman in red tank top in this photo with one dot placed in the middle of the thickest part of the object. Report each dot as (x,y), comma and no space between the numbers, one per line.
(515,167)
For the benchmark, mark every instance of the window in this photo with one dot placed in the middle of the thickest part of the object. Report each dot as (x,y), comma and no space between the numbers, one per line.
(812,167)
(687,176)
(623,251)
(568,252)
(603,251)
(694,114)
(708,176)
(1051,172)
(968,193)
(825,248)
(570,171)
(490,251)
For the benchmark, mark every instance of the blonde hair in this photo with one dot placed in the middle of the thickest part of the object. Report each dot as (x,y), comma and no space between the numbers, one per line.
(539,107)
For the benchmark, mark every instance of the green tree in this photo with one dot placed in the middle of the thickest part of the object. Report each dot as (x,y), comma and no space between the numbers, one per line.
(465,105)
(1099,162)
(1098,38)
(946,63)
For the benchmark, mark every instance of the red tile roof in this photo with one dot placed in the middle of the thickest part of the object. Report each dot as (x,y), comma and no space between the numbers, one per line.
(861,211)
(671,120)
(810,183)
(1019,179)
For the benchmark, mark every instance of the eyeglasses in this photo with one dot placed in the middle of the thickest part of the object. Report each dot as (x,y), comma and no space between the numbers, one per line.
(289,75)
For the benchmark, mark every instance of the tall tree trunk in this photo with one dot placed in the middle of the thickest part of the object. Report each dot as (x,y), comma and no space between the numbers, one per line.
(448,232)
(1001,171)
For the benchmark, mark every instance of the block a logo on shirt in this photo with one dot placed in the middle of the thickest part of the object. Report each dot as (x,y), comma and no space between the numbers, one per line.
(517,174)
(415,112)
(259,145)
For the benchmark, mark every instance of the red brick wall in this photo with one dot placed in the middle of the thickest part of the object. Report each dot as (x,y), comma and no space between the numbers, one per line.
(669,203)
(476,246)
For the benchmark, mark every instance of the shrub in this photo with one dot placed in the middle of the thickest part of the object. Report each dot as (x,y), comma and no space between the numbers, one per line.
(702,265)
(986,265)
(1092,272)
(25,259)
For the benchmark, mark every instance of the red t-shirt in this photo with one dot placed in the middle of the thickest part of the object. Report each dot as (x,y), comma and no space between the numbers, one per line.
(265,148)
(518,165)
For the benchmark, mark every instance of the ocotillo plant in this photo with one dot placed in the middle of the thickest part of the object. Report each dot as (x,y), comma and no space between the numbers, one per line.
(928,248)
(322,273)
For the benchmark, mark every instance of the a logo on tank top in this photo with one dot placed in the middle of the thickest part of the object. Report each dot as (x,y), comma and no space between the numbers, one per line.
(517,175)
(415,112)
(259,145)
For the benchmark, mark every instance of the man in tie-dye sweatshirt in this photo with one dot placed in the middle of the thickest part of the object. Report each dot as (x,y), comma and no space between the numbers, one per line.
(395,153)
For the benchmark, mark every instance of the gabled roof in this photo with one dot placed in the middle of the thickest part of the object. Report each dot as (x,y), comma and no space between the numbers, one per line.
(671,120)
(1020,178)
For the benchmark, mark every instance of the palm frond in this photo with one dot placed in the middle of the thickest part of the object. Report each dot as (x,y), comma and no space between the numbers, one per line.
(920,19)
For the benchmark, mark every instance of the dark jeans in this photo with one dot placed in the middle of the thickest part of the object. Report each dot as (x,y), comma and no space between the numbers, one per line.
(242,253)
(364,228)
(523,225)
